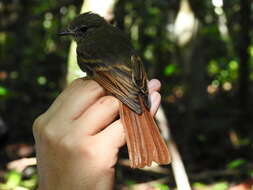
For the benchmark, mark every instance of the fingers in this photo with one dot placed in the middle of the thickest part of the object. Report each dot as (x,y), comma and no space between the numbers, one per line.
(113,134)
(80,94)
(98,116)
(81,97)
(77,97)
(79,103)
(155,99)
(154,85)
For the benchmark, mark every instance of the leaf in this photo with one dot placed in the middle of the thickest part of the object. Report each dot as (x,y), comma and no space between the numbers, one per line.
(220,186)
(30,183)
(233,65)
(213,67)
(162,186)
(130,182)
(198,185)
(236,163)
(250,173)
(3,91)
(170,69)
(13,178)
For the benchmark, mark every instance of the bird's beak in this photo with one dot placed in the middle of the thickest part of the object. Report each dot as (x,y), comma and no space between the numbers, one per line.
(66,32)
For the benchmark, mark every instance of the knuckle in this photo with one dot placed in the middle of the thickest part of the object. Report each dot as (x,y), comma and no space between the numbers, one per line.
(38,123)
(89,85)
(76,82)
(87,150)
(48,136)
(110,101)
(66,143)
(94,87)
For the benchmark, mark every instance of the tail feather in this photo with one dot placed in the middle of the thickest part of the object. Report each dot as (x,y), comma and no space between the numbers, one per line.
(144,141)
(161,153)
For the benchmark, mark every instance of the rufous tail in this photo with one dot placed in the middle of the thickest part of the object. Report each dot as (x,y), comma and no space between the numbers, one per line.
(144,142)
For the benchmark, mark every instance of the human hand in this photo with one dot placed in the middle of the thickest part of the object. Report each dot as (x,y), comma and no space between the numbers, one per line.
(77,138)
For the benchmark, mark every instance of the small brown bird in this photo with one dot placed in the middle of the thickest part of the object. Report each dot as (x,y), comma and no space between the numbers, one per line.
(107,56)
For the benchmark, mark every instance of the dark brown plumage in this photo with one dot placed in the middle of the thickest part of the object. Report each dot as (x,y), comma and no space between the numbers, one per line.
(106,54)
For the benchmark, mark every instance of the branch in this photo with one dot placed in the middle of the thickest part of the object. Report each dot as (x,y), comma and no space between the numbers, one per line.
(178,168)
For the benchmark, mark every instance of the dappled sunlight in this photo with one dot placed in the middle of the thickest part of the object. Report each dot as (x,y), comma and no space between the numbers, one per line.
(227,86)
(218,9)
(103,8)
(234,138)
(212,89)
(185,24)
(202,53)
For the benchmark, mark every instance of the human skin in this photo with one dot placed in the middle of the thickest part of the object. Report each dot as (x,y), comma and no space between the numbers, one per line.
(78,139)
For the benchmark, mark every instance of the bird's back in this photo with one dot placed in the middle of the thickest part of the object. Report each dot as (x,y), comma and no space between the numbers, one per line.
(108,44)
(105,54)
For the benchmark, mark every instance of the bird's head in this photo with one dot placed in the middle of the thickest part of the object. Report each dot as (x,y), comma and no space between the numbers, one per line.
(83,24)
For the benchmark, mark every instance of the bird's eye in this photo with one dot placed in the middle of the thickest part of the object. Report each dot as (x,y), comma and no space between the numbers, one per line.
(83,29)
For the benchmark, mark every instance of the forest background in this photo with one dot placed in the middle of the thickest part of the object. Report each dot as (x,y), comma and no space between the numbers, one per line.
(201,51)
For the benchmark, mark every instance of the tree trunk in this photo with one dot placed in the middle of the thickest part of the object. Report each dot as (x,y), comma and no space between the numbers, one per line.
(244,55)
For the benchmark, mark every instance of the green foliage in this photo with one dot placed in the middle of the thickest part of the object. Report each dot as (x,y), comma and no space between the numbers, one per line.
(170,69)
(200,81)
(198,185)
(14,181)
(220,186)
(215,186)
(213,67)
(250,173)
(32,59)
(162,187)
(41,80)
(129,183)
(3,91)
(236,163)
(30,183)
(223,70)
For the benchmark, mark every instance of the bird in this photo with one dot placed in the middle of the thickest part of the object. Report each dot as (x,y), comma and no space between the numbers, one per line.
(106,54)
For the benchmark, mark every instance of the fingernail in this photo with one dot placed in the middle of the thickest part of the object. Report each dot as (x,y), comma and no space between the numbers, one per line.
(154,83)
(153,97)
(151,84)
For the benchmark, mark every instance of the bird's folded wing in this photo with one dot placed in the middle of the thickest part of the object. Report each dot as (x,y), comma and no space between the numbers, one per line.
(121,87)
(139,77)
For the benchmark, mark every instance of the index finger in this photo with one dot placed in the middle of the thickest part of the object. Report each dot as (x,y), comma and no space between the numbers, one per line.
(77,97)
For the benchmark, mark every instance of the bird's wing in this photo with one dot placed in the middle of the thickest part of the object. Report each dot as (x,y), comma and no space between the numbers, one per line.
(139,77)
(116,78)
(126,83)
(121,87)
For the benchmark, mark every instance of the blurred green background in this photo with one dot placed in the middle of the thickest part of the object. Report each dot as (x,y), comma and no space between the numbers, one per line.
(202,52)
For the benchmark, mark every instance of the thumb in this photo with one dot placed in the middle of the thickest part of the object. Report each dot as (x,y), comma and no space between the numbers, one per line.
(155,99)
(114,134)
